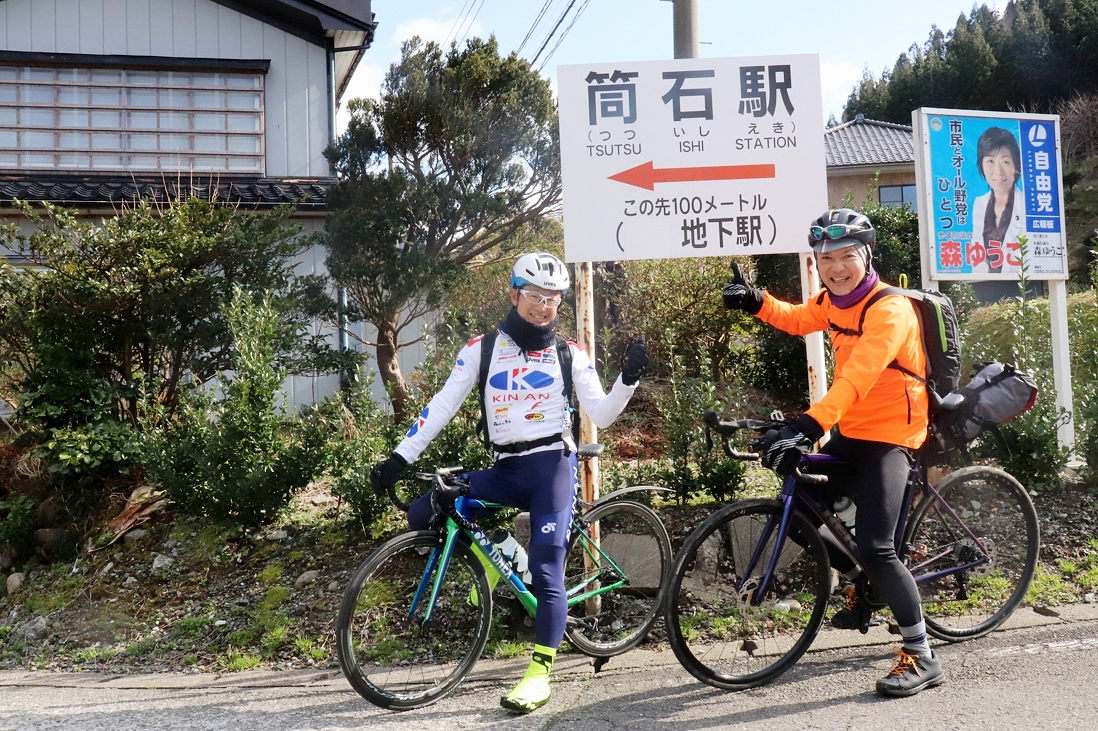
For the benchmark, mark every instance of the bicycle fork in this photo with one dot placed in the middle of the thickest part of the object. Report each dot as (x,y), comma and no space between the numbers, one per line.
(757,595)
(438,563)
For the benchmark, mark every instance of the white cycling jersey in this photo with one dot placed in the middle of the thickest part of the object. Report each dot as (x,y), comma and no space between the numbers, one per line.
(524,396)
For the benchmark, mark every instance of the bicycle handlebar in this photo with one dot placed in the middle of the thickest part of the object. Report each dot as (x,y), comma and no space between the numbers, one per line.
(728,428)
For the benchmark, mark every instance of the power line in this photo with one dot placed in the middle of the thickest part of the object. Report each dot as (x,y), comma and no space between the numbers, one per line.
(472,20)
(458,21)
(565,33)
(537,21)
(552,32)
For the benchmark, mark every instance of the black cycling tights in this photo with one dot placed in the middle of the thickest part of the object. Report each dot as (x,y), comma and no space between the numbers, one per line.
(876,482)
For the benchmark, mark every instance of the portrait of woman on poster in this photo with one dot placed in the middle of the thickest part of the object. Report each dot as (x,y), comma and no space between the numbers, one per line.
(998,215)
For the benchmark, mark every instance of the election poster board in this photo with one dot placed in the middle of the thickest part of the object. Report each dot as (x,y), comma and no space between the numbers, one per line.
(991,188)
(690,157)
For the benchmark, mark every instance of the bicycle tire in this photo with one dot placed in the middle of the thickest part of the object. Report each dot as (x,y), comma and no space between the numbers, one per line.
(999,512)
(634,540)
(389,657)
(717,633)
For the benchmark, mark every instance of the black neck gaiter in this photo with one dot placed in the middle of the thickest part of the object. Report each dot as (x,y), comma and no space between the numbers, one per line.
(527,335)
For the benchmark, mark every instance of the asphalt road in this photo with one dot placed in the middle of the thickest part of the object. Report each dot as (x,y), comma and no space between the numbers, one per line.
(1038,672)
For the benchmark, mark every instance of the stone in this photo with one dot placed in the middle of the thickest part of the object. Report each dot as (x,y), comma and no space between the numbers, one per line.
(134,535)
(160,562)
(34,628)
(306,578)
(15,581)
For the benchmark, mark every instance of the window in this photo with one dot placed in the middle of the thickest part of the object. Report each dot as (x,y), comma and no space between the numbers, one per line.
(145,119)
(895,196)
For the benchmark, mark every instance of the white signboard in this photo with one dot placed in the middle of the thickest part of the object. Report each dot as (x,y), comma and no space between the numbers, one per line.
(992,192)
(690,157)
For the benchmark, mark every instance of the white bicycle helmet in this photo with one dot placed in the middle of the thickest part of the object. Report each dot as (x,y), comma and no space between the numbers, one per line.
(540,270)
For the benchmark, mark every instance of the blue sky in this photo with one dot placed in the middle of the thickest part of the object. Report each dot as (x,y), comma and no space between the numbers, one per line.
(849,36)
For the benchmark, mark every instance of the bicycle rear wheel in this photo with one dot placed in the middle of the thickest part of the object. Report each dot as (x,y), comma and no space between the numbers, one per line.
(992,526)
(633,549)
(722,631)
(387,652)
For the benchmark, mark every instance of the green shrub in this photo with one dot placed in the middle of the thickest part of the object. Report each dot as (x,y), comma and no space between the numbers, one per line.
(361,434)
(17,523)
(1019,332)
(688,468)
(237,458)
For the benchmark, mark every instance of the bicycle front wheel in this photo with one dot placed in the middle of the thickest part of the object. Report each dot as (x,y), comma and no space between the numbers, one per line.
(624,575)
(389,652)
(725,628)
(974,556)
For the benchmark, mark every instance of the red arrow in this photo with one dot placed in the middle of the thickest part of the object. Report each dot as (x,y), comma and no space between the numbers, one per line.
(646,176)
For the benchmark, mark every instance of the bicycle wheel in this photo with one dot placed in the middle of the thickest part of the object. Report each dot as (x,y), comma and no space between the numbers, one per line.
(633,548)
(388,653)
(992,525)
(721,630)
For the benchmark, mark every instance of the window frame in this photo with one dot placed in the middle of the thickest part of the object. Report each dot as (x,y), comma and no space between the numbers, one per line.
(170,114)
(904,189)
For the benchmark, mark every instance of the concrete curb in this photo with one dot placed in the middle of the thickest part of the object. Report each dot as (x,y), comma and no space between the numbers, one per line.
(490,671)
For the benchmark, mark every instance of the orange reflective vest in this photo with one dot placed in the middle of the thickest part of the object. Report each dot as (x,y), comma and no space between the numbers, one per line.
(867,399)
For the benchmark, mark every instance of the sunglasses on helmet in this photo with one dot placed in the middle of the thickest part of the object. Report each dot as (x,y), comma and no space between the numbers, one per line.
(834,231)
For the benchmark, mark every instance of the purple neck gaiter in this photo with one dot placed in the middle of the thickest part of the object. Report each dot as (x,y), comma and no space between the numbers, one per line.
(855,296)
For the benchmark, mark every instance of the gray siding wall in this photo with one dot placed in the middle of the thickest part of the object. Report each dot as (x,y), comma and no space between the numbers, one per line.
(296,88)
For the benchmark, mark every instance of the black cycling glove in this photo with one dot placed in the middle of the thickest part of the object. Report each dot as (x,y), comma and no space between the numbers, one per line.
(385,474)
(636,361)
(785,448)
(739,295)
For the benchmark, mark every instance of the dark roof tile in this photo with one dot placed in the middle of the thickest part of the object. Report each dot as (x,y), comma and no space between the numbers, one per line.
(868,142)
(306,193)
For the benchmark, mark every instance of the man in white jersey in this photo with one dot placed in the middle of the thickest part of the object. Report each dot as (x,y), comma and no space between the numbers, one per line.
(529,427)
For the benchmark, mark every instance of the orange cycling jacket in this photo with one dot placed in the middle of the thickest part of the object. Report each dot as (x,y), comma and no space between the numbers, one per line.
(867,399)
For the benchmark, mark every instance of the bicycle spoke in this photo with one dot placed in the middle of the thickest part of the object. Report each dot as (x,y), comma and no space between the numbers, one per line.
(730,623)
(974,556)
(615,587)
(390,650)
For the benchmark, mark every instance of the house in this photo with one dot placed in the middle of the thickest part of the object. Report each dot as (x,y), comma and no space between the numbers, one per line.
(862,151)
(106,101)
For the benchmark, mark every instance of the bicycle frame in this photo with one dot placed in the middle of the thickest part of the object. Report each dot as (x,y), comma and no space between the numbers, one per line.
(791,496)
(439,562)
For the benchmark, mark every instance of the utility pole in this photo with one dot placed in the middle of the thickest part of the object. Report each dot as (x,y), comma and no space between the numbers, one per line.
(686,28)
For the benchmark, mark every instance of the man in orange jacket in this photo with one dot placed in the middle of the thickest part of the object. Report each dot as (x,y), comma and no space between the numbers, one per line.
(881,412)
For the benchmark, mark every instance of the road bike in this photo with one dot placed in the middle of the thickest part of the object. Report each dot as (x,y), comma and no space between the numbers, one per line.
(417,613)
(751,584)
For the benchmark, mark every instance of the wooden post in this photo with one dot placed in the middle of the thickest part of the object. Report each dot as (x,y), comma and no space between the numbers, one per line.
(585,326)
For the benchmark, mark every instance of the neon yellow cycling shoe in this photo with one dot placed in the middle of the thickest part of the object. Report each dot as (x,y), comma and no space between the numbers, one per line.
(529,694)
(533,690)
